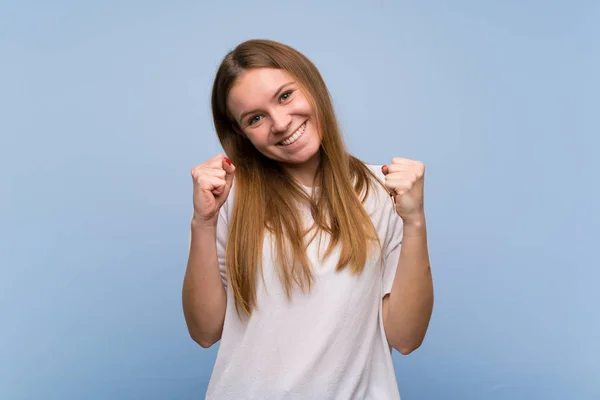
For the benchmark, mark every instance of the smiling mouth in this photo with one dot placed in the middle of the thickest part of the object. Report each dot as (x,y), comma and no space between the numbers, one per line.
(290,140)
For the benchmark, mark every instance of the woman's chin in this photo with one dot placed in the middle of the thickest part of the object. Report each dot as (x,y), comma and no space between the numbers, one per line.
(302,157)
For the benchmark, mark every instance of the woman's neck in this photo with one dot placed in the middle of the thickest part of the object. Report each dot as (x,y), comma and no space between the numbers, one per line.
(304,173)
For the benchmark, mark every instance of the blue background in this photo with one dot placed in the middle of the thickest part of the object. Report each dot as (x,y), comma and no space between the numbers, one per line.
(105,108)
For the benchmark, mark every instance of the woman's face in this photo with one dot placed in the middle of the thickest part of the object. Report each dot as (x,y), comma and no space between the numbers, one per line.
(275,115)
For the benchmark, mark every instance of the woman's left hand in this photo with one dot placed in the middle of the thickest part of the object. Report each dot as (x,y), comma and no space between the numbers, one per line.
(404,178)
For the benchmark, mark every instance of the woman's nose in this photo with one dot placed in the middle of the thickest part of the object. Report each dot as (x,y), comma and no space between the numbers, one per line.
(281,122)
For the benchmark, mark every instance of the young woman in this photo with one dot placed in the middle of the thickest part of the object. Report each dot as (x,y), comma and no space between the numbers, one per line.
(307,264)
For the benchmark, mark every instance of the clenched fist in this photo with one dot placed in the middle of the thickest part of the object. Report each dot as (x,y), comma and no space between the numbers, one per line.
(212,182)
(404,179)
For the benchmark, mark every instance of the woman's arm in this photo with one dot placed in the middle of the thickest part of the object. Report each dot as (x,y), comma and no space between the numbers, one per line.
(204,297)
(407,309)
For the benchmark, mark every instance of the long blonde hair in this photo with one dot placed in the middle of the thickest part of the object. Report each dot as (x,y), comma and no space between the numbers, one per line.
(265,195)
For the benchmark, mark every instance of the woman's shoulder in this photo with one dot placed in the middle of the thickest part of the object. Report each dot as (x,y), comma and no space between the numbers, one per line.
(376,177)
(378,196)
(376,169)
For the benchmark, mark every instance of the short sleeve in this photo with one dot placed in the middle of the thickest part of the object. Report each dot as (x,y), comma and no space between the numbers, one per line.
(391,249)
(222,235)
(390,229)
(223,232)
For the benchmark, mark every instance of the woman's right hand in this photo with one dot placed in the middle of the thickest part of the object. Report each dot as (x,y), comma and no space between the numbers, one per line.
(212,183)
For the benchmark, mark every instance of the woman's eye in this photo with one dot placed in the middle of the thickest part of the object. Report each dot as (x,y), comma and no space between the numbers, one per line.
(286,95)
(254,119)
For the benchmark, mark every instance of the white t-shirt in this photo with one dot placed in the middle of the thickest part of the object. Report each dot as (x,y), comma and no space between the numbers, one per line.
(328,343)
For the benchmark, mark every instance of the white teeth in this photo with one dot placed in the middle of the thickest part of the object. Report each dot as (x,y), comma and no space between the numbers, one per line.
(295,136)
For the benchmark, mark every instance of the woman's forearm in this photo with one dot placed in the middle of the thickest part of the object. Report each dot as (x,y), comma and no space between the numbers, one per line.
(203,295)
(410,303)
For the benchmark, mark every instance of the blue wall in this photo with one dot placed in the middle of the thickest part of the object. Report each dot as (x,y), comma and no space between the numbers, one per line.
(105,108)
